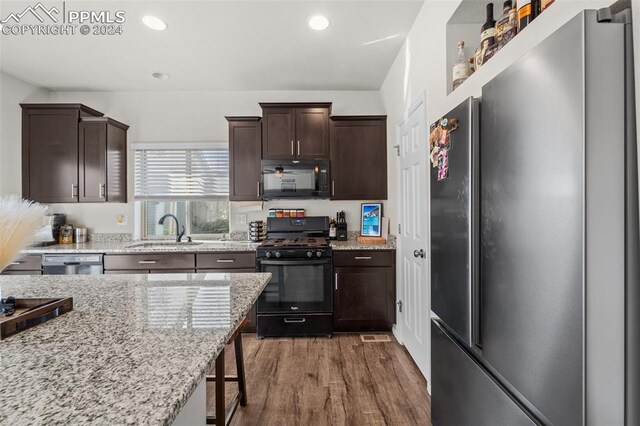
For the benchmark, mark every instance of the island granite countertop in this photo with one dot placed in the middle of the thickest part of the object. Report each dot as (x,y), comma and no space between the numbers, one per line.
(133,247)
(132,351)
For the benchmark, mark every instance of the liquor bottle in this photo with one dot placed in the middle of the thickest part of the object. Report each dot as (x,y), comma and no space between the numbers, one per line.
(488,32)
(524,14)
(461,69)
(506,27)
(333,229)
(535,9)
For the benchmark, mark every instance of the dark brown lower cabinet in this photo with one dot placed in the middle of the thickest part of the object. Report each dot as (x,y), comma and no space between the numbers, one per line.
(27,265)
(364,296)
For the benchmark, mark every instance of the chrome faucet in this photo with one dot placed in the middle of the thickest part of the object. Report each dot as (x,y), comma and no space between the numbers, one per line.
(179,233)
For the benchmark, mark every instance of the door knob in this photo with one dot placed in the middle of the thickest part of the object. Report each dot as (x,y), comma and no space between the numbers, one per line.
(419,253)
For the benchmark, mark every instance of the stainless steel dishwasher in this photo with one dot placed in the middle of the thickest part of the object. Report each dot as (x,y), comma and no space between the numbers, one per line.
(72,264)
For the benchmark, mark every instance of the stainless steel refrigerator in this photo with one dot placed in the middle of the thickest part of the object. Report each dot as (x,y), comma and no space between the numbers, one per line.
(535,239)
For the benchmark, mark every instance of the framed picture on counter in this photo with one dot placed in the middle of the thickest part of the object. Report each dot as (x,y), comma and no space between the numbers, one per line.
(371,220)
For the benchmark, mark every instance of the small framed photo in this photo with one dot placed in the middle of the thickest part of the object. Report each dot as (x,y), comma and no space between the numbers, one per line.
(371,220)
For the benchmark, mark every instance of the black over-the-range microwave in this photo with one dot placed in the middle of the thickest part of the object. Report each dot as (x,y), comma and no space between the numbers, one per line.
(295,179)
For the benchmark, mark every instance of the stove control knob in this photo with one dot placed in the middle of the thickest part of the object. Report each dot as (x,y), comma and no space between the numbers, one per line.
(278,254)
(318,253)
(309,254)
(269,254)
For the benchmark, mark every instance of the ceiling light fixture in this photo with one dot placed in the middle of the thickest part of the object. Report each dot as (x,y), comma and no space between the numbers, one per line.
(161,75)
(154,23)
(319,22)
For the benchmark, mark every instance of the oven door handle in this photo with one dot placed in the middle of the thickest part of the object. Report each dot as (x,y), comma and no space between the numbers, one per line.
(294,262)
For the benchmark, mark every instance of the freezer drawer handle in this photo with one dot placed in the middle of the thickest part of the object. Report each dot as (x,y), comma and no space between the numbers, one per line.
(147,262)
(225,260)
(294,320)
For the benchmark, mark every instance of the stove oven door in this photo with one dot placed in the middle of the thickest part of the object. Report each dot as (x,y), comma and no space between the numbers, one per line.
(296,287)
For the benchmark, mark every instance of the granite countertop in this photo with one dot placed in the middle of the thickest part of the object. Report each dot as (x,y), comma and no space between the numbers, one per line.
(132,351)
(126,247)
(132,247)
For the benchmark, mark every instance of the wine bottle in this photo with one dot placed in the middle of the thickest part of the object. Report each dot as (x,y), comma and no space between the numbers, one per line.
(488,32)
(461,70)
(524,14)
(506,27)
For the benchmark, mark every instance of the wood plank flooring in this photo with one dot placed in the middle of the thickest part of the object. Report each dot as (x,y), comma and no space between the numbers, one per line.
(319,381)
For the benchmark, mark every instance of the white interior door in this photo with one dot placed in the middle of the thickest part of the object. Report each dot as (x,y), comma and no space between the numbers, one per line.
(413,237)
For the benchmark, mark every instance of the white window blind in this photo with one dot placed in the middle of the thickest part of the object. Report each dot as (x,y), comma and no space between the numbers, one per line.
(185,174)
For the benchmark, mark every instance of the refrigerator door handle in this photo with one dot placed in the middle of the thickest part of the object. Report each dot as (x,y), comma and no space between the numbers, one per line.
(474,119)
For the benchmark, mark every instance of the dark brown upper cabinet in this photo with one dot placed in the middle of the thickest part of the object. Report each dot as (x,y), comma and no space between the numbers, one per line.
(55,146)
(102,160)
(359,157)
(245,151)
(295,131)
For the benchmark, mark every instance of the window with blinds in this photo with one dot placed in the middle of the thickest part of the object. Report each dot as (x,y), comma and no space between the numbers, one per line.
(181,174)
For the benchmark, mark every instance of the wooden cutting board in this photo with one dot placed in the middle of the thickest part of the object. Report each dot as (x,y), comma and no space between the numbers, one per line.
(31,312)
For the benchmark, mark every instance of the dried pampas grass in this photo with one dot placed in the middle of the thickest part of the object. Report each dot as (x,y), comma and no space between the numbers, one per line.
(19,222)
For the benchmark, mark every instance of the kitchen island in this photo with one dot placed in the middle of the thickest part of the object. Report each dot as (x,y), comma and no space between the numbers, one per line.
(133,350)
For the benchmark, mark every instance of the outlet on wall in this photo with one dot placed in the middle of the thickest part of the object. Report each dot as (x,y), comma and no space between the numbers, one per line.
(241,219)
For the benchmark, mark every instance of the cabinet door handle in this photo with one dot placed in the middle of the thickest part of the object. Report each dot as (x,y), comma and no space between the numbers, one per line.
(298,147)
(147,262)
(363,257)
(336,281)
(17,262)
(101,189)
(225,261)
(73,190)
(333,188)
(292,153)
(258,189)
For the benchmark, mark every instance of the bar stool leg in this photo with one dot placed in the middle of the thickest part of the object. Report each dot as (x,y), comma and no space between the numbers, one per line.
(220,403)
(242,389)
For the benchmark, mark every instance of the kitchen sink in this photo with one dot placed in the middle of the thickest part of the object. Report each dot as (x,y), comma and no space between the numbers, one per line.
(160,244)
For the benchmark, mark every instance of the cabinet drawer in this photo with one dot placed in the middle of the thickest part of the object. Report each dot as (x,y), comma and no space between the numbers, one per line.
(149,261)
(226,260)
(363,258)
(26,263)
(5,272)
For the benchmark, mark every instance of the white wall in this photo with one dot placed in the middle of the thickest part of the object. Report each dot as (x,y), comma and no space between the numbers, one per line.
(196,117)
(13,92)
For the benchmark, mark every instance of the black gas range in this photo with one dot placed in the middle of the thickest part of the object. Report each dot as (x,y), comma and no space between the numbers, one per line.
(298,301)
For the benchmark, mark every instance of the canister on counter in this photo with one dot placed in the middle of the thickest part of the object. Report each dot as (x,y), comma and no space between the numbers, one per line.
(66,234)
(80,235)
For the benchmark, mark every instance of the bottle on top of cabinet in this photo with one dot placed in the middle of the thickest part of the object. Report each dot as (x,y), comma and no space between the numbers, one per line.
(488,46)
(544,4)
(507,24)
(461,69)
(525,14)
(488,31)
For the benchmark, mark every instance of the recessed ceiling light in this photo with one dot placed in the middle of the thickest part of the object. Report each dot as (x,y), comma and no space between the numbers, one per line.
(319,22)
(161,75)
(154,23)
